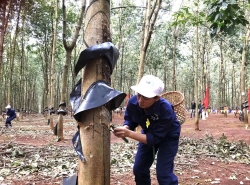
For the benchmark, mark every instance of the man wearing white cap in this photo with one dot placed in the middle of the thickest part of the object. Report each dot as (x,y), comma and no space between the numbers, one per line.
(11,114)
(159,135)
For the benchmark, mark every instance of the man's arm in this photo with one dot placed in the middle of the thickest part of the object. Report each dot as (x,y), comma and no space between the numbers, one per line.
(125,132)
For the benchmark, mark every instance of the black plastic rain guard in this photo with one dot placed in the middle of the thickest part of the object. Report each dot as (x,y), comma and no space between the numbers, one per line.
(98,94)
(75,96)
(76,141)
(106,49)
(72,180)
(62,104)
(62,111)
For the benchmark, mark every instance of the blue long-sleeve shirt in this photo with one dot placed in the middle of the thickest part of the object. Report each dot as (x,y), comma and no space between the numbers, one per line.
(162,118)
(11,114)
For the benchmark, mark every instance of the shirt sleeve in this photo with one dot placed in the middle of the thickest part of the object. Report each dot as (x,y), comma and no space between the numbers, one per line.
(130,110)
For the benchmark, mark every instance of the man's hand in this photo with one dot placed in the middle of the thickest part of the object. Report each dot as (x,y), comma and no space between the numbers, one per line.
(121,131)
(124,132)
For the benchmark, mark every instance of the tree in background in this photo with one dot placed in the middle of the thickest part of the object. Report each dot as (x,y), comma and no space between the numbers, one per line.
(195,17)
(8,8)
(150,16)
(68,47)
(52,75)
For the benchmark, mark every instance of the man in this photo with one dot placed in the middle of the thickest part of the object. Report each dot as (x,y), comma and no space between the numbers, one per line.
(11,114)
(200,107)
(159,135)
(193,106)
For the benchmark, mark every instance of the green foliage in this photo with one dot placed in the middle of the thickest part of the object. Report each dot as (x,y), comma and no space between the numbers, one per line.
(184,16)
(224,16)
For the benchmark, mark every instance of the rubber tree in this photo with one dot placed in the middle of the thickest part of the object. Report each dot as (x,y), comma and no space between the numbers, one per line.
(94,124)
(243,76)
(150,16)
(195,18)
(68,47)
(196,75)
(41,30)
(6,9)
(52,75)
(12,55)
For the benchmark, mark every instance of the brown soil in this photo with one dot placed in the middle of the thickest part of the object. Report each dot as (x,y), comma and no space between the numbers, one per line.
(204,170)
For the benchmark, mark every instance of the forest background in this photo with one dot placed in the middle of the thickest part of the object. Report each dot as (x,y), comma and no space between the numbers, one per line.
(192,45)
(180,50)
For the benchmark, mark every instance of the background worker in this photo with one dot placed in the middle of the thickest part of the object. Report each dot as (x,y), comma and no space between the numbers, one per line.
(193,107)
(11,114)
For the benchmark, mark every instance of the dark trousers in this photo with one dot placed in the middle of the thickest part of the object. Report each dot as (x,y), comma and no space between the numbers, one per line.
(165,163)
(8,122)
(200,113)
(192,113)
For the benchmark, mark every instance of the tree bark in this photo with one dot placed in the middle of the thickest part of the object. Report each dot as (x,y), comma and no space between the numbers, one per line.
(153,7)
(52,88)
(94,126)
(68,48)
(5,15)
(13,51)
(242,77)
(222,78)
(174,60)
(196,78)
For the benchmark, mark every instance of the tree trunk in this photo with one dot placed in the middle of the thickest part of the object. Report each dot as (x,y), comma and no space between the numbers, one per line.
(153,7)
(45,68)
(121,66)
(119,43)
(52,88)
(63,93)
(196,80)
(165,65)
(21,72)
(242,77)
(5,14)
(13,57)
(222,78)
(234,105)
(203,75)
(94,126)
(174,60)
(68,48)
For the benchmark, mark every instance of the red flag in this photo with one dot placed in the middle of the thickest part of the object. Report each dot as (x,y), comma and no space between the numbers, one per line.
(206,99)
(248,94)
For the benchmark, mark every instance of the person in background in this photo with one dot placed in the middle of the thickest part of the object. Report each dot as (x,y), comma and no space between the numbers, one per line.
(200,107)
(11,114)
(159,135)
(193,106)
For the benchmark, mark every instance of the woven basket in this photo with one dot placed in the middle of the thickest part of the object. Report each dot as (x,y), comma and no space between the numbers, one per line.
(176,98)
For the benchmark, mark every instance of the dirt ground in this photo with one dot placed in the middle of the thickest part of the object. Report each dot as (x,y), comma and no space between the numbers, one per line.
(198,171)
(206,170)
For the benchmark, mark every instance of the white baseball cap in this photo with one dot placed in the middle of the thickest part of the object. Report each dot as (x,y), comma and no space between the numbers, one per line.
(8,107)
(149,86)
